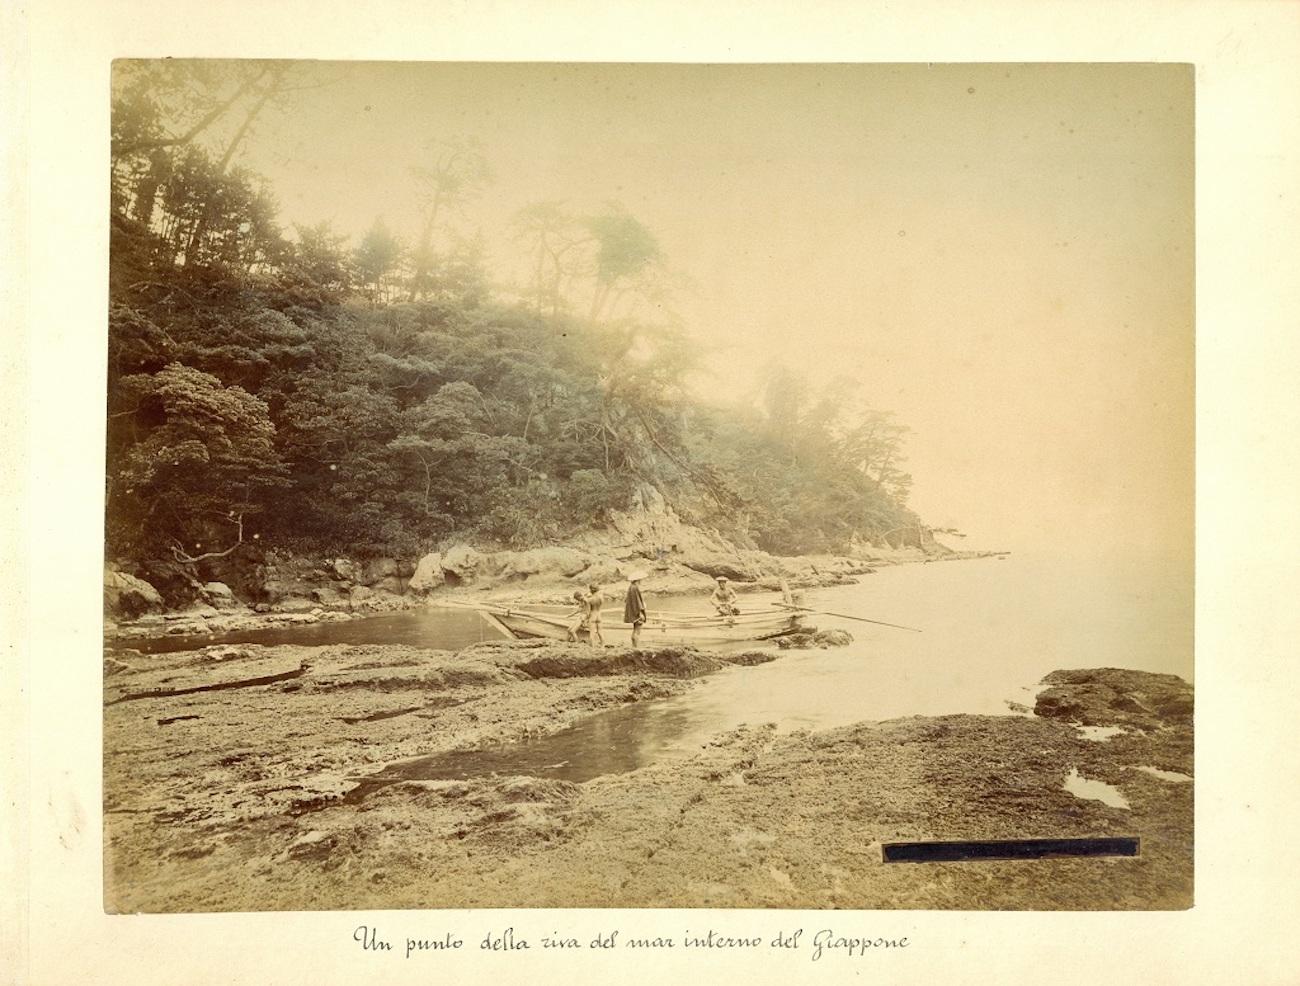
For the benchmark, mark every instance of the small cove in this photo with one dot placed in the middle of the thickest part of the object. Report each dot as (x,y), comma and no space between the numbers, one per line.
(992,629)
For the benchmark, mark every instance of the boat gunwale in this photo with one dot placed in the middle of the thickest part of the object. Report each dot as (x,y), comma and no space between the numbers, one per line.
(556,614)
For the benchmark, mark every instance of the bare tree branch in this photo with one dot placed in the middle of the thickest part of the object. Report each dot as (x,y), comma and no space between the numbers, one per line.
(187,559)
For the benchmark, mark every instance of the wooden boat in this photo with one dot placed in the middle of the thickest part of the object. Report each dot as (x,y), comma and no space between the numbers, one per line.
(553,623)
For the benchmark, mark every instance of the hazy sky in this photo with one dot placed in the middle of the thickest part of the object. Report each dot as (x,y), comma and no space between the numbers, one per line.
(1002,255)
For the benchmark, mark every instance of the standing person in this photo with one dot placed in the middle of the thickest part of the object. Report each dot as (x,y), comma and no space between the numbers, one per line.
(583,612)
(594,602)
(724,598)
(634,607)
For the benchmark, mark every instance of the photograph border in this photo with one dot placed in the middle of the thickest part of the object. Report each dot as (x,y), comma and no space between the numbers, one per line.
(1247,247)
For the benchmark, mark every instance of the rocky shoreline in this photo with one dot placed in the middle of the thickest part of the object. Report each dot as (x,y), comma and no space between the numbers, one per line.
(226,791)
(255,587)
(334,590)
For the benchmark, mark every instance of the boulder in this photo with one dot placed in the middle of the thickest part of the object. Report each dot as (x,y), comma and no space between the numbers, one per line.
(715,564)
(378,569)
(676,580)
(343,570)
(277,589)
(603,571)
(296,604)
(546,562)
(428,574)
(394,584)
(127,596)
(361,594)
(174,581)
(330,595)
(461,563)
(218,594)
(289,576)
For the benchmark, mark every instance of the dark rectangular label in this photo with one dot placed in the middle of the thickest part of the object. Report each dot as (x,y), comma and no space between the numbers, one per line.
(950,852)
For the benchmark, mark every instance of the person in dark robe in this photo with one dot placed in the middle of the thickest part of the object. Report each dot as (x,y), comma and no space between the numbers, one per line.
(634,607)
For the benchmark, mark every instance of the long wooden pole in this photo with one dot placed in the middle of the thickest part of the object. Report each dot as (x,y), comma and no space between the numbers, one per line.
(845,616)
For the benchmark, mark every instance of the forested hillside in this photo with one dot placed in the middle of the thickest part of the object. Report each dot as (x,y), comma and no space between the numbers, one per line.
(285,387)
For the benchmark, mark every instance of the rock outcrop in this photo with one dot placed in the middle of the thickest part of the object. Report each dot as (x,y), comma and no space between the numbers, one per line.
(128,597)
(428,574)
(815,638)
(1116,697)
(716,564)
(559,562)
(219,596)
(673,557)
(460,564)
(376,570)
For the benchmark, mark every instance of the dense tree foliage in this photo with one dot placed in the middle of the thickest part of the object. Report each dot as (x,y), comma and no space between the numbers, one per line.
(286,388)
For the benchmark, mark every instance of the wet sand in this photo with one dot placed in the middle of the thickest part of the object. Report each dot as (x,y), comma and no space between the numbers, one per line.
(233,799)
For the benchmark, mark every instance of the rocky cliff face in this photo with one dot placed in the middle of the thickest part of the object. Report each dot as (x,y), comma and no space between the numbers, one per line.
(649,538)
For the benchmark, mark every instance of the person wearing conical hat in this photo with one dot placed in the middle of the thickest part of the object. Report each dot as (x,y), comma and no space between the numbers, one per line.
(634,611)
(724,598)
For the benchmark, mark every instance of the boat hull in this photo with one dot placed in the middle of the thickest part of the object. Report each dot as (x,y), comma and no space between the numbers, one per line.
(695,633)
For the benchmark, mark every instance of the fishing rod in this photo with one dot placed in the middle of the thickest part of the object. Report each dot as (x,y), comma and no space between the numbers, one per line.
(845,616)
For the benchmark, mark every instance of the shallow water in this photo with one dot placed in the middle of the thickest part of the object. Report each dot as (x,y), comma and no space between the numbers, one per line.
(1090,790)
(991,630)
(448,629)
(1173,776)
(611,742)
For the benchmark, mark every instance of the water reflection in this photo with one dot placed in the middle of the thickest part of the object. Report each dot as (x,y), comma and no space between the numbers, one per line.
(612,742)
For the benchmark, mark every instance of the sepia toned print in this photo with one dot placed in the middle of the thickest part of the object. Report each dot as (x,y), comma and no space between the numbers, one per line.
(557,485)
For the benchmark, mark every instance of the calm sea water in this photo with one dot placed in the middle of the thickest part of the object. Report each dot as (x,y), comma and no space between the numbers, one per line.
(991,629)
(448,629)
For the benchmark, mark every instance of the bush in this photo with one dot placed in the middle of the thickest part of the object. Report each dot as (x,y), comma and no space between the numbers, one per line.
(590,495)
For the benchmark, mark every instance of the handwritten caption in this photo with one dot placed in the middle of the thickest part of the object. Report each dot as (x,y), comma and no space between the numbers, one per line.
(824,942)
